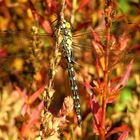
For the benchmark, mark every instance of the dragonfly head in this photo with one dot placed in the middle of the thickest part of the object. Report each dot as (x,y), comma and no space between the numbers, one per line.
(65,25)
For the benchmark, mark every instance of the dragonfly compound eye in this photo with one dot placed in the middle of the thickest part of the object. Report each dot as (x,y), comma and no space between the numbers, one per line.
(68,26)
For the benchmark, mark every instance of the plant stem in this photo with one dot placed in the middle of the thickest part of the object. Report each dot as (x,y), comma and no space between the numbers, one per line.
(106,74)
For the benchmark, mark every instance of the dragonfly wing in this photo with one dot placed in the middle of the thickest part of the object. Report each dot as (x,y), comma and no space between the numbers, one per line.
(83,43)
(22,45)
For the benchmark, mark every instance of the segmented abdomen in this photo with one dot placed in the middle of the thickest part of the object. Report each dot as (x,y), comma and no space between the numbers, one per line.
(65,41)
(68,56)
(74,89)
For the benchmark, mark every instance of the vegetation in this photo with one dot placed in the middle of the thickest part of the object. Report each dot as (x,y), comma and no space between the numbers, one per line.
(35,93)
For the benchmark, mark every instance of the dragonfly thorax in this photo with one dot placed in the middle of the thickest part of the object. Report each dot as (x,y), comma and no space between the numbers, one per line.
(64,35)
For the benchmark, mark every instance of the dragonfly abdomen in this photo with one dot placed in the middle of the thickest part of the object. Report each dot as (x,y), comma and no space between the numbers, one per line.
(74,89)
(65,41)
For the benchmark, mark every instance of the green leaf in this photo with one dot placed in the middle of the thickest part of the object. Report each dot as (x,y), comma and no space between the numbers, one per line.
(119,107)
(125,100)
(124,5)
(126,95)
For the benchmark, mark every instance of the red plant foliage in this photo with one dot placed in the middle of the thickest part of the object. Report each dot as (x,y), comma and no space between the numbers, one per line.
(102,92)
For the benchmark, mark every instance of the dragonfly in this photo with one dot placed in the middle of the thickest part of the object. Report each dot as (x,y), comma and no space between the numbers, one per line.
(31,47)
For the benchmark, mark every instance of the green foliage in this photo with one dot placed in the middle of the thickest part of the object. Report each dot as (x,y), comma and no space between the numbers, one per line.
(124,5)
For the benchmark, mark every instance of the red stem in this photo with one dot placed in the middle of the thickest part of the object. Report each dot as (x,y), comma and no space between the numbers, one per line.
(105,94)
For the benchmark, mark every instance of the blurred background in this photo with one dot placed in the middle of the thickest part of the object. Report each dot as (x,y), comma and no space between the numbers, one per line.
(26,47)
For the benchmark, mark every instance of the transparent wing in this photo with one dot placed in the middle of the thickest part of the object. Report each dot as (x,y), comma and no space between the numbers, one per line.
(24,44)
(17,40)
(119,43)
(116,29)
(23,51)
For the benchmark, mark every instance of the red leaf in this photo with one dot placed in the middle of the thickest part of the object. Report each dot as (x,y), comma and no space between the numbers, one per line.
(69,3)
(87,85)
(123,42)
(36,114)
(94,105)
(49,2)
(25,129)
(25,109)
(83,3)
(28,100)
(34,118)
(95,128)
(95,36)
(97,121)
(3,53)
(124,78)
(122,128)
(123,135)
(98,64)
(21,93)
(40,19)
(35,95)
(53,6)
(97,40)
(45,25)
(97,114)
